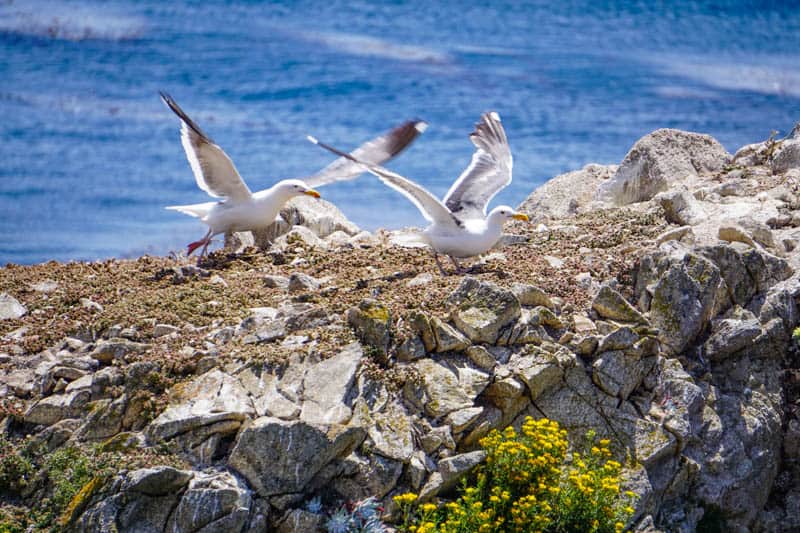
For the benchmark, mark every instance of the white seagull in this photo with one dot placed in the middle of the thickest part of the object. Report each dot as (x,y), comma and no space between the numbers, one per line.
(242,210)
(459,225)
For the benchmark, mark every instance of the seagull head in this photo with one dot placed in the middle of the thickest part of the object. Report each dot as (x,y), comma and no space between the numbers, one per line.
(292,188)
(501,213)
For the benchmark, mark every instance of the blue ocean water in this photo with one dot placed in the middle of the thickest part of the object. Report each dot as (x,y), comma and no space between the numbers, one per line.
(89,155)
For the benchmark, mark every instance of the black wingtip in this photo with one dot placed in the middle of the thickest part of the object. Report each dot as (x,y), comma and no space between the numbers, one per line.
(173,105)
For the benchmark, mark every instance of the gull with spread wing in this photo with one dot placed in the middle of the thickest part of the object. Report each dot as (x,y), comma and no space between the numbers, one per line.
(242,210)
(459,225)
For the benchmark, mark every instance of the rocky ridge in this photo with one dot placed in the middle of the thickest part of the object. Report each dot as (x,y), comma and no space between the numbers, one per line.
(654,303)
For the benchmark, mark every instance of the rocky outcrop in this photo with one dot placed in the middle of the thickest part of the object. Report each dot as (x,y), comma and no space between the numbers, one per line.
(685,359)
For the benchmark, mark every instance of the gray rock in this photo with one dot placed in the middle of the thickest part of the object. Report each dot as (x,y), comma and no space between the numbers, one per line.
(278,457)
(729,336)
(657,161)
(51,409)
(211,405)
(421,324)
(786,157)
(617,374)
(107,351)
(531,295)
(298,238)
(10,308)
(451,470)
(481,309)
(440,392)
(327,386)
(164,329)
(216,501)
(610,304)
(539,372)
(675,234)
(447,338)
(680,207)
(481,357)
(276,282)
(299,282)
(411,349)
(300,521)
(372,323)
(565,195)
(619,339)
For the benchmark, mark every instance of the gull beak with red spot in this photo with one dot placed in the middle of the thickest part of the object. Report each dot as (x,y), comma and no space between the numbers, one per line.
(520,216)
(311,192)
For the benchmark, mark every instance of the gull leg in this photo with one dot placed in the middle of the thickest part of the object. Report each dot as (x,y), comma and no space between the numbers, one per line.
(459,268)
(204,242)
(438,264)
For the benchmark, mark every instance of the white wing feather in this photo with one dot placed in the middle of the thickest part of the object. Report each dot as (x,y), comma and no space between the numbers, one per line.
(213,170)
(488,172)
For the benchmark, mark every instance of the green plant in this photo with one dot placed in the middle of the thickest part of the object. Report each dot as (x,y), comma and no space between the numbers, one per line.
(529,482)
(16,469)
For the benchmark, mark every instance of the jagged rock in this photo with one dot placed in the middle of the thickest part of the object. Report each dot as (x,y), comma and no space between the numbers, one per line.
(658,160)
(733,233)
(320,216)
(104,419)
(372,323)
(279,457)
(539,371)
(675,234)
(327,386)
(610,304)
(451,470)
(51,409)
(299,236)
(531,295)
(786,157)
(729,336)
(684,297)
(619,339)
(481,357)
(411,349)
(300,521)
(617,374)
(201,412)
(10,308)
(446,337)
(267,399)
(167,499)
(563,196)
(215,501)
(583,325)
(303,282)
(481,309)
(106,351)
(421,324)
(267,331)
(461,419)
(440,392)
(680,207)
(372,476)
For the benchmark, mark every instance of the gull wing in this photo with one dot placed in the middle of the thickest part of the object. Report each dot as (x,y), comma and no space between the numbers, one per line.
(213,169)
(488,172)
(431,208)
(375,152)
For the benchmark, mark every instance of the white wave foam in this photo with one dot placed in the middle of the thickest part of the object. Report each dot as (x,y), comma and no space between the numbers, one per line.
(363,45)
(767,75)
(69,22)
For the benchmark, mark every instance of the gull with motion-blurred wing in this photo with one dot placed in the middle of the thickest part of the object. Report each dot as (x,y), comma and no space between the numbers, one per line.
(459,225)
(242,210)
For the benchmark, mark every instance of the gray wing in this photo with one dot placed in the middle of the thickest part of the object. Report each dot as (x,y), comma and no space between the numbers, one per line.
(374,152)
(488,172)
(213,169)
(431,208)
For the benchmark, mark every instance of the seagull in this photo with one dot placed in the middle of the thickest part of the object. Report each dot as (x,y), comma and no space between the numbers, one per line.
(459,225)
(242,210)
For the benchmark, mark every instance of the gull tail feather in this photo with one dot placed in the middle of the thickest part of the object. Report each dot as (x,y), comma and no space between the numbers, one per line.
(408,239)
(194,210)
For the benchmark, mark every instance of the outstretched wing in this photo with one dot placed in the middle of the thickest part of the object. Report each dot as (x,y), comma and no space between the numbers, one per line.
(431,208)
(213,169)
(488,172)
(374,152)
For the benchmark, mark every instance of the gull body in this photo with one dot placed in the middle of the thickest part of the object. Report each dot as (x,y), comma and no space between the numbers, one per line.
(242,210)
(459,225)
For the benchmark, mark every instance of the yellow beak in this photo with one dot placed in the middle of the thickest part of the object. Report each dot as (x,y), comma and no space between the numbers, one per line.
(520,216)
(311,192)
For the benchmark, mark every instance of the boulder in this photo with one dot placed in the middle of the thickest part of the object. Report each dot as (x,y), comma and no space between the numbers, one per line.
(680,207)
(616,373)
(608,303)
(563,196)
(51,409)
(481,309)
(279,457)
(659,160)
(440,391)
(106,351)
(10,308)
(327,386)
